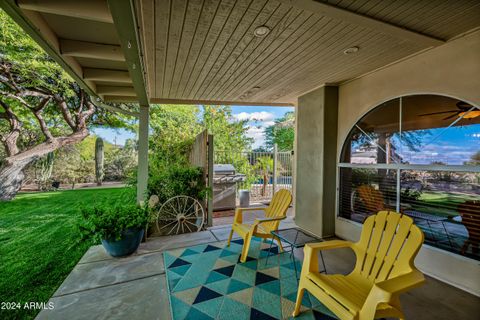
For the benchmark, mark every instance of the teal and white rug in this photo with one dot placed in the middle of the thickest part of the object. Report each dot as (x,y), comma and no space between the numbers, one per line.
(208,282)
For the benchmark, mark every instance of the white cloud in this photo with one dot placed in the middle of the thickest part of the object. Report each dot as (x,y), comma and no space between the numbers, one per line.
(267,124)
(255,116)
(257,122)
(258,134)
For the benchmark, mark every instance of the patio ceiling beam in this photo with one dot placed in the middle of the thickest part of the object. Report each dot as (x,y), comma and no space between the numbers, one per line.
(116,91)
(94,74)
(124,18)
(94,10)
(335,12)
(120,99)
(219,102)
(47,41)
(92,50)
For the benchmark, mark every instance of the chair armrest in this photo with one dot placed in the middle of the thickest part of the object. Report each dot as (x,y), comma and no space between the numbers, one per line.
(259,221)
(252,209)
(401,283)
(262,220)
(239,213)
(310,261)
(385,291)
(326,245)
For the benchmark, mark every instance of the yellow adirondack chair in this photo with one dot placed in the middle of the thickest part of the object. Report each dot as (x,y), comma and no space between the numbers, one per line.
(275,212)
(384,269)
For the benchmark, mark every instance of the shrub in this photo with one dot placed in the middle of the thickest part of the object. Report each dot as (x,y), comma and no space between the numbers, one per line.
(175,180)
(109,221)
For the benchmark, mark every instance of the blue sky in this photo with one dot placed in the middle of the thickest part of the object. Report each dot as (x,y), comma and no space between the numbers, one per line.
(259,117)
(452,145)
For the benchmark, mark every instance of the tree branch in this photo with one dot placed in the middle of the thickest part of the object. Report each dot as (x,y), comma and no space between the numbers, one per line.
(19,99)
(84,116)
(65,112)
(8,81)
(32,93)
(37,111)
(42,149)
(10,139)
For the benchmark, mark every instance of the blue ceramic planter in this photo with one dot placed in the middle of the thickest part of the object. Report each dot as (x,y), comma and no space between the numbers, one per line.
(127,245)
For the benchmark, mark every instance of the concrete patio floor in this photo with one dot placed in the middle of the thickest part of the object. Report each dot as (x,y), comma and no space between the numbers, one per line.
(102,287)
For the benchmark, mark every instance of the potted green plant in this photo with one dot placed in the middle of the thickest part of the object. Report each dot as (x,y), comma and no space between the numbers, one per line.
(119,227)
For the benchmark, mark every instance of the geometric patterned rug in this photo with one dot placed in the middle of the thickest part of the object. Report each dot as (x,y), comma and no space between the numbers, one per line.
(208,282)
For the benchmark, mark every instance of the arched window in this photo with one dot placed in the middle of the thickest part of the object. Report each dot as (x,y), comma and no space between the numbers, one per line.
(419,155)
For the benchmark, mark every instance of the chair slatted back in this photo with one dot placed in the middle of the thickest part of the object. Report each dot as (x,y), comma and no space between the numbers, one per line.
(278,208)
(388,245)
(371,198)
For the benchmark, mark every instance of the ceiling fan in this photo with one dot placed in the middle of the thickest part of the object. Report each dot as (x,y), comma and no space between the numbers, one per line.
(463,108)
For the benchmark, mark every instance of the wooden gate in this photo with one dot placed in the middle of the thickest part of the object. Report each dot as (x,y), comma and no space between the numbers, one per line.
(201,155)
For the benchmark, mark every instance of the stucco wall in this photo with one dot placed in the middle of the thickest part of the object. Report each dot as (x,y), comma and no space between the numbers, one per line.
(452,69)
(315,161)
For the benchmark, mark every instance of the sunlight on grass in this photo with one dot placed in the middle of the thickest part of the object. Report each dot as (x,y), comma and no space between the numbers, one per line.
(40,245)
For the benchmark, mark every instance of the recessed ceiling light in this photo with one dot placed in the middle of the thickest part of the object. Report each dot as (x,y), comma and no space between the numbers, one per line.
(351,50)
(261,31)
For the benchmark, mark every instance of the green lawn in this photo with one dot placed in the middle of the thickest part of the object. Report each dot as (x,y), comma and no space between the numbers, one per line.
(39,243)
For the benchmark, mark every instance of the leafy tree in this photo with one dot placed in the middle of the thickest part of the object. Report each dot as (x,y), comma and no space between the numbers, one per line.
(229,135)
(174,128)
(120,163)
(41,108)
(281,133)
(230,140)
(261,149)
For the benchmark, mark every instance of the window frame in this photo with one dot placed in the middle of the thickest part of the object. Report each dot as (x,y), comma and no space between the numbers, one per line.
(397,166)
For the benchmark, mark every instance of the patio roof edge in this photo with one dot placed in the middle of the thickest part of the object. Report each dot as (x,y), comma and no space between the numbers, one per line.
(103,105)
(124,18)
(220,102)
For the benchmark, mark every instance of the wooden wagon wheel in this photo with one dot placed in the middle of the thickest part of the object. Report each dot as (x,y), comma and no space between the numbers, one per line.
(180,214)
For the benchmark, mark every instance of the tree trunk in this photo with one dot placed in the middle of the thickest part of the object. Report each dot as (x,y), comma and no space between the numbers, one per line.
(11,178)
(11,173)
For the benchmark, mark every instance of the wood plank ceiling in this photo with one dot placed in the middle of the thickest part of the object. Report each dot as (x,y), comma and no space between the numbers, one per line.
(205,50)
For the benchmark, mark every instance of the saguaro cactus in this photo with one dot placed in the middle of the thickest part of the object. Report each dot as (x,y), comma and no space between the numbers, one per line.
(99,157)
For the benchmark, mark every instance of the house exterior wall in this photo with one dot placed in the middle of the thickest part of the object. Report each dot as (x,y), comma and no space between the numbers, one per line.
(452,69)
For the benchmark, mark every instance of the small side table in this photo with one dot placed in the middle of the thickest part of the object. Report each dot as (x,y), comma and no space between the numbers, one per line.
(295,238)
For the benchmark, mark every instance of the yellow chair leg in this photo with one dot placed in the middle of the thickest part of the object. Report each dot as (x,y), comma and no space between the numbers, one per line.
(230,238)
(246,246)
(298,303)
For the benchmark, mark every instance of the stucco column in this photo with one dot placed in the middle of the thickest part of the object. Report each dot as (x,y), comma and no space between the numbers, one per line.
(315,156)
(142,171)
